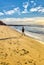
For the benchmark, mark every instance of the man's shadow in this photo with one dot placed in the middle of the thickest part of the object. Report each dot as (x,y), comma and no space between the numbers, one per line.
(10,38)
(7,38)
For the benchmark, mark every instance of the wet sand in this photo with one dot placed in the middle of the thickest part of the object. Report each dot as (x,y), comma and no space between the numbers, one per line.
(18,49)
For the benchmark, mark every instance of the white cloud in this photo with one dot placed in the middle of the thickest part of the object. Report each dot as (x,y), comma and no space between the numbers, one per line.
(37,9)
(33,9)
(17,10)
(32,1)
(10,12)
(14,10)
(25,11)
(17,20)
(1,13)
(34,20)
(41,10)
(25,5)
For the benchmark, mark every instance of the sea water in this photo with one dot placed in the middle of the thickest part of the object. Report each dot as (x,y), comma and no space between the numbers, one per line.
(34,31)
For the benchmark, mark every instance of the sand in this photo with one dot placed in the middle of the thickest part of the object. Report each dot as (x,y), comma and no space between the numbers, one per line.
(18,49)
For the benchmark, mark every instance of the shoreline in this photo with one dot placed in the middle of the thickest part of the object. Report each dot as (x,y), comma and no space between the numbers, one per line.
(29,35)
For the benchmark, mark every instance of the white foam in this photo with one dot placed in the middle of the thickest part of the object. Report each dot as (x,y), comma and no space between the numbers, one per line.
(37,37)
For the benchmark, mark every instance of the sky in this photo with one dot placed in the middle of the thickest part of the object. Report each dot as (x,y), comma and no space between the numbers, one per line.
(21,8)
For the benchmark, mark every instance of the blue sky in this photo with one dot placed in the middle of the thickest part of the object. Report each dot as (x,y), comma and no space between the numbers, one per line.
(21,8)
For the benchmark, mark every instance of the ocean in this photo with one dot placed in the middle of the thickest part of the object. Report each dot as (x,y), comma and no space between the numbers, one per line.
(36,32)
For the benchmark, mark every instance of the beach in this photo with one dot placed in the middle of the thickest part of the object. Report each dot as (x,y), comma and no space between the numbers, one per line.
(19,49)
(36,31)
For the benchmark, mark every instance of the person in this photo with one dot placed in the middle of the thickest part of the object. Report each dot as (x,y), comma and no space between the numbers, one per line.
(23,30)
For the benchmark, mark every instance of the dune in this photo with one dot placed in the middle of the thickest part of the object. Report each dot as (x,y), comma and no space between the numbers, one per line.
(18,49)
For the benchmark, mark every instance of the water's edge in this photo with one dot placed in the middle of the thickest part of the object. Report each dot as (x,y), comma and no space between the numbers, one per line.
(35,32)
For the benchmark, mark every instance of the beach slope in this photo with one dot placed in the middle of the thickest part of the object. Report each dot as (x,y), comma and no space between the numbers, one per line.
(17,49)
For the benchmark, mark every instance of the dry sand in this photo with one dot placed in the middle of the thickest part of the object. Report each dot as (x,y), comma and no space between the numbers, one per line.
(16,49)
